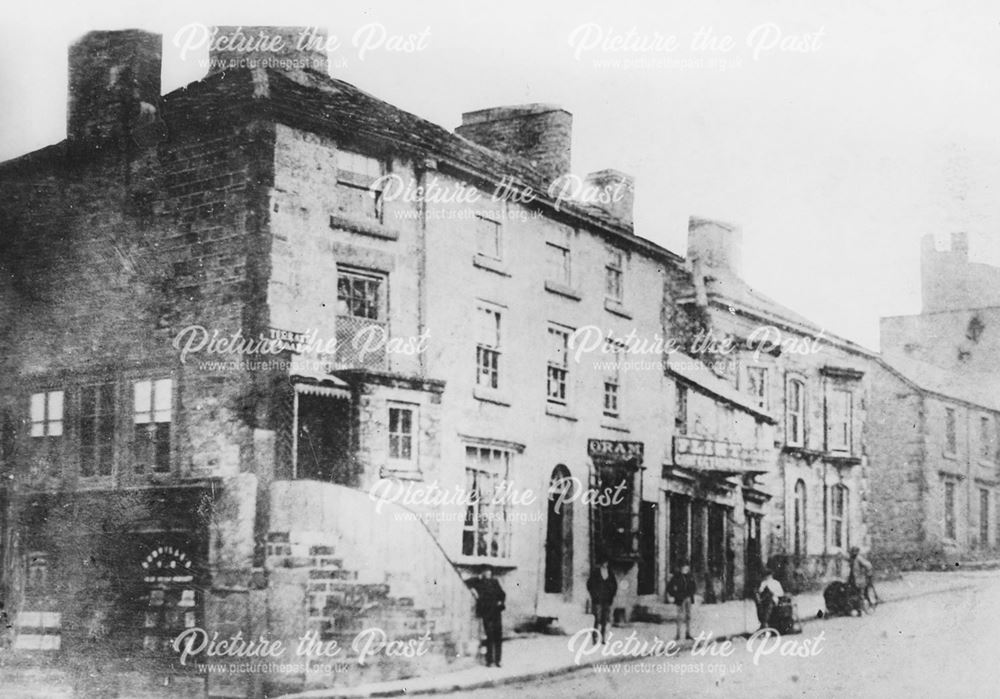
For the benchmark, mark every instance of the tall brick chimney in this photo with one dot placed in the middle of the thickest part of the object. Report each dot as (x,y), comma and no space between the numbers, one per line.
(289,49)
(615,192)
(541,133)
(716,245)
(114,84)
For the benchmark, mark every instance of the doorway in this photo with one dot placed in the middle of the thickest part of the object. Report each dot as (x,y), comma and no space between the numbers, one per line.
(322,432)
(559,534)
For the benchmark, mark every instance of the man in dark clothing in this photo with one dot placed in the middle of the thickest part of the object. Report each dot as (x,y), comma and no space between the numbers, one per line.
(682,588)
(490,603)
(861,571)
(602,587)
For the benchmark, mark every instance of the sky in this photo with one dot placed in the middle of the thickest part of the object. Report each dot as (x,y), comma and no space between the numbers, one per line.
(834,137)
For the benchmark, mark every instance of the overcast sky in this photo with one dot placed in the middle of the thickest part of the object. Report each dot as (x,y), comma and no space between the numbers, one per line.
(874,126)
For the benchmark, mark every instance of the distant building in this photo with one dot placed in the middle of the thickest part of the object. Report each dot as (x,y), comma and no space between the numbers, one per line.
(936,415)
(815,385)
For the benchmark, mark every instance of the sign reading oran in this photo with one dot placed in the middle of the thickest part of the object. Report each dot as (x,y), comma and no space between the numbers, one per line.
(716,455)
(611,449)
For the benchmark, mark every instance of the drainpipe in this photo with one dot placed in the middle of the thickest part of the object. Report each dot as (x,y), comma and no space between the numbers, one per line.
(422,168)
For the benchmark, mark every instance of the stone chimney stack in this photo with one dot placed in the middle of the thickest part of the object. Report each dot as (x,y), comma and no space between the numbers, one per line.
(540,133)
(718,246)
(114,84)
(290,49)
(613,191)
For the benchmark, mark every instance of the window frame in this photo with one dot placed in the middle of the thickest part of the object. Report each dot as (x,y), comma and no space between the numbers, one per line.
(614,268)
(499,509)
(795,438)
(488,356)
(111,420)
(153,469)
(395,462)
(356,180)
(950,431)
(839,521)
(986,451)
(556,371)
(834,422)
(763,396)
(612,394)
(800,528)
(497,228)
(950,521)
(562,242)
(381,303)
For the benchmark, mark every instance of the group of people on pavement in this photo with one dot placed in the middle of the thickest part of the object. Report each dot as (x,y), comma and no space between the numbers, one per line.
(681,588)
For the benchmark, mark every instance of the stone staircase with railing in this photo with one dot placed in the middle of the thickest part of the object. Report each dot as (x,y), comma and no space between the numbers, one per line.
(373,583)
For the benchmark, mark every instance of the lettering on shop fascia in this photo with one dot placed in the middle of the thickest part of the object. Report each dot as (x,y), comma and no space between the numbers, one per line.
(710,454)
(614,450)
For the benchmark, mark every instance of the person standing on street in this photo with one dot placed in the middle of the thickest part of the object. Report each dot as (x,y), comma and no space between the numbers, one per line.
(602,587)
(768,594)
(861,569)
(682,588)
(490,603)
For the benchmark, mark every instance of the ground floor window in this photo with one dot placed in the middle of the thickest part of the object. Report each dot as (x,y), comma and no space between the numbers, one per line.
(838,516)
(949,510)
(487,529)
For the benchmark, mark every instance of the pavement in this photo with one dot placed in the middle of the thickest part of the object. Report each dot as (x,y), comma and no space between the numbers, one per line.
(542,656)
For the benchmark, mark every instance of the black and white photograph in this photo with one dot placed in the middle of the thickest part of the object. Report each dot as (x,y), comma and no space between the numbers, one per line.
(375,349)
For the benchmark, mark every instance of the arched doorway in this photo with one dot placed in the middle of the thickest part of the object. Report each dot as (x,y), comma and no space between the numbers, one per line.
(559,533)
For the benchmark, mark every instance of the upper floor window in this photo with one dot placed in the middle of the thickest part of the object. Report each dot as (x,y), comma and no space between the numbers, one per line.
(839,421)
(360,295)
(488,242)
(97,429)
(47,414)
(612,380)
(46,427)
(557,253)
(487,346)
(796,413)
(152,414)
(402,434)
(950,431)
(985,438)
(614,273)
(757,385)
(681,410)
(487,529)
(558,365)
(358,180)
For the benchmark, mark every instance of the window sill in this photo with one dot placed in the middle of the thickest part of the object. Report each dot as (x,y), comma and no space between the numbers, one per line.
(559,410)
(563,290)
(617,308)
(506,563)
(490,395)
(614,423)
(489,264)
(363,227)
(403,474)
(950,455)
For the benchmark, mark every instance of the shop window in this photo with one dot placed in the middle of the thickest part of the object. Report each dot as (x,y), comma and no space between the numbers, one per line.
(172,599)
(487,529)
(152,415)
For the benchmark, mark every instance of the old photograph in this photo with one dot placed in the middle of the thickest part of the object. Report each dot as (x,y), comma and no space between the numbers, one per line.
(587,349)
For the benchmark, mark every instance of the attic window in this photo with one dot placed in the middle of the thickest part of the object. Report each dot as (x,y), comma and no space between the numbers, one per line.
(359,185)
